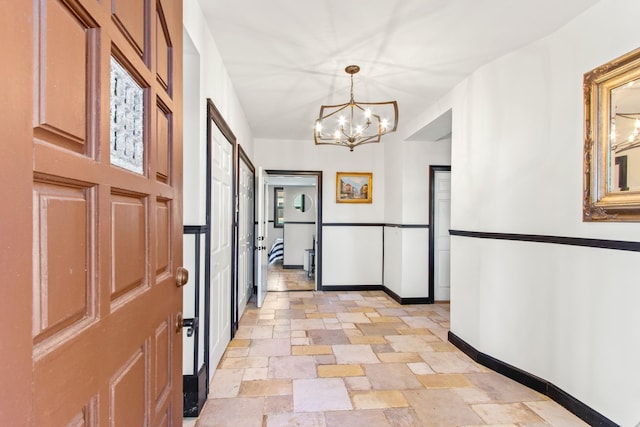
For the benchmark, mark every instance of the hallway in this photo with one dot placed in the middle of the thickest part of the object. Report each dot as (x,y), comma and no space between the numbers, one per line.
(360,359)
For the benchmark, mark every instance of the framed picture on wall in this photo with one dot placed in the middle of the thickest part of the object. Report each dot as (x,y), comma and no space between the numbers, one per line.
(353,187)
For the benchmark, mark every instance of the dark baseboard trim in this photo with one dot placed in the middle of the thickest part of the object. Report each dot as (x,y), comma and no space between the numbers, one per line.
(393,295)
(293,267)
(194,229)
(353,288)
(406,301)
(300,222)
(582,411)
(621,245)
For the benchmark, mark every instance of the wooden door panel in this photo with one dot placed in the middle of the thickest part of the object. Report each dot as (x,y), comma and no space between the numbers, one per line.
(129,244)
(128,391)
(163,52)
(163,241)
(65,41)
(163,142)
(130,18)
(62,286)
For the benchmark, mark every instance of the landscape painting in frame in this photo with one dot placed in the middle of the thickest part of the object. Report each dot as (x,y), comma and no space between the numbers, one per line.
(353,187)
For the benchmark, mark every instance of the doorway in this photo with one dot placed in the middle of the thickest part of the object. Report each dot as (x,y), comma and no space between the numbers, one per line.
(294,230)
(439,225)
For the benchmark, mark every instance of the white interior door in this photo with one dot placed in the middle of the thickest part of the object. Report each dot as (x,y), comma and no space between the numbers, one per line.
(245,236)
(261,244)
(441,239)
(221,242)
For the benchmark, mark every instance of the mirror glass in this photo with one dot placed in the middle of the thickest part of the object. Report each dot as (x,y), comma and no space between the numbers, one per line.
(624,139)
(302,202)
(611,171)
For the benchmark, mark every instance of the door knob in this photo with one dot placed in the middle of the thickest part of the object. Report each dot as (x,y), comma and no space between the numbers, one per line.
(182,276)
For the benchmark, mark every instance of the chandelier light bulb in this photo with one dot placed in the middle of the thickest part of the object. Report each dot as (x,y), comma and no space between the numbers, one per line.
(637,123)
(318,127)
(367,114)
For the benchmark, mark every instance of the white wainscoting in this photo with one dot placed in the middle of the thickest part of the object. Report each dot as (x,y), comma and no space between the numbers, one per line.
(352,255)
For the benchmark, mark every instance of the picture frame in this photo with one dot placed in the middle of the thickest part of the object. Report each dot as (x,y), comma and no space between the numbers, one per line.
(611,154)
(354,187)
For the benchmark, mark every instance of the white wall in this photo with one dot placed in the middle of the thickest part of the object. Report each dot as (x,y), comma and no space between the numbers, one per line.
(564,313)
(304,155)
(205,77)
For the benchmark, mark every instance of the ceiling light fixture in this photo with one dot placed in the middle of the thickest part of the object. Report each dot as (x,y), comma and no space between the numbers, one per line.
(355,123)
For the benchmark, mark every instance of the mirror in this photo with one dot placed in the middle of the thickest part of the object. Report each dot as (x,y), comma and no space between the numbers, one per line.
(612,141)
(302,202)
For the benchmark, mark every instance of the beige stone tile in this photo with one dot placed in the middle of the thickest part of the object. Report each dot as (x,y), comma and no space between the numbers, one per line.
(226,382)
(503,389)
(441,408)
(373,314)
(292,367)
(408,343)
(300,341)
(239,343)
(360,418)
(472,395)
(450,363)
(278,404)
(420,368)
(442,347)
(378,399)
(357,383)
(265,388)
(321,316)
(262,332)
(244,362)
(237,352)
(444,381)
(403,417)
(502,413)
(352,332)
(251,374)
(399,357)
(270,347)
(236,412)
(352,318)
(297,350)
(414,331)
(354,354)
(315,419)
(325,359)
(362,309)
(322,394)
(555,414)
(370,339)
(327,371)
(298,334)
(391,376)
(306,324)
(385,319)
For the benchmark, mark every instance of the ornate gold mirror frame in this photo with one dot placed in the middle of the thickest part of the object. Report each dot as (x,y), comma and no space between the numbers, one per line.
(612,141)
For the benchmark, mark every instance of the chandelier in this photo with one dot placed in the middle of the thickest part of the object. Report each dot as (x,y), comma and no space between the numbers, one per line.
(630,126)
(355,123)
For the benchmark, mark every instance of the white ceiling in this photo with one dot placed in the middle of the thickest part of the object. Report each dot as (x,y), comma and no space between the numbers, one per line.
(287,57)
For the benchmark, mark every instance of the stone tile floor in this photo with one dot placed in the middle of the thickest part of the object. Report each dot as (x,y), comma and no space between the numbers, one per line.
(350,359)
(281,279)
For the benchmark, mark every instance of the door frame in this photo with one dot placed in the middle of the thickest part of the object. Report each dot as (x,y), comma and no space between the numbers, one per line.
(318,175)
(214,115)
(432,194)
(241,157)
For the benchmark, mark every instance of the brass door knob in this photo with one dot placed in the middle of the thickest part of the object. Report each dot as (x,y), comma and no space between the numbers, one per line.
(182,276)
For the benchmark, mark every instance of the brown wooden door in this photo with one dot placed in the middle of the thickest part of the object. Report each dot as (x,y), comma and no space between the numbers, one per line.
(91,213)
